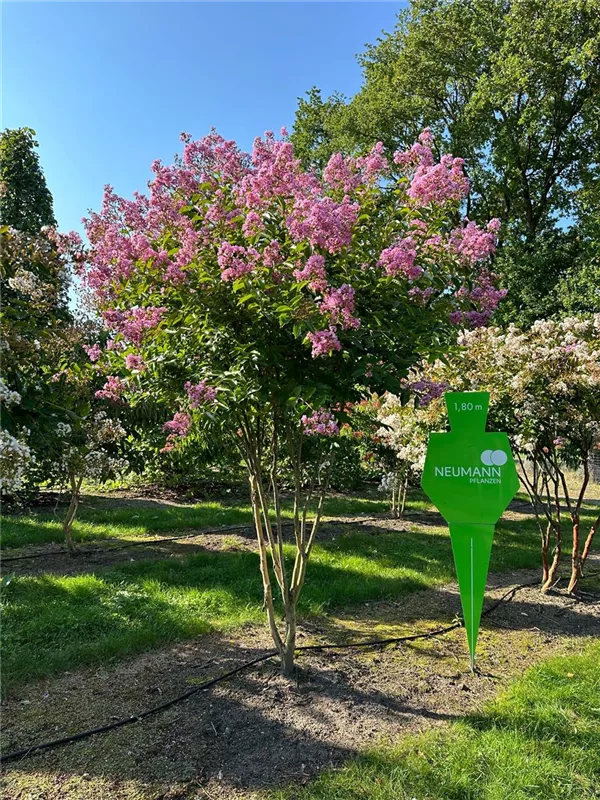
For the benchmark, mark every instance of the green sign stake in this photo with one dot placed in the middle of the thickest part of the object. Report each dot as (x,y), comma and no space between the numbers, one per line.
(470,476)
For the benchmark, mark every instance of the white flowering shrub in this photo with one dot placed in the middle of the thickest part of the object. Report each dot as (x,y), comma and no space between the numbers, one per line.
(87,448)
(7,396)
(15,457)
(544,386)
(405,431)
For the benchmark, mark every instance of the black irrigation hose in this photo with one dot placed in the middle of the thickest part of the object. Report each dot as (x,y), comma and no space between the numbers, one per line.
(28,751)
(194,535)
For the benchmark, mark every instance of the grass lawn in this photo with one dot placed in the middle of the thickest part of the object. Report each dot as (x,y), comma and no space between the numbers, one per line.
(100,519)
(53,623)
(540,740)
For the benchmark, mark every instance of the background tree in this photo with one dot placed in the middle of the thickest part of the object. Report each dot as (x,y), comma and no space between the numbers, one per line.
(512,86)
(25,200)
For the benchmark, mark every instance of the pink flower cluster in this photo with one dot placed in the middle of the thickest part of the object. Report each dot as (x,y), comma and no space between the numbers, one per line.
(320,423)
(200,393)
(94,351)
(133,361)
(347,174)
(179,426)
(112,390)
(324,342)
(485,296)
(339,304)
(135,322)
(401,259)
(431,182)
(323,222)
(473,244)
(313,272)
(235,260)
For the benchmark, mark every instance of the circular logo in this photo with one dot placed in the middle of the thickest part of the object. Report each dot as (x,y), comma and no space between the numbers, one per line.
(494,458)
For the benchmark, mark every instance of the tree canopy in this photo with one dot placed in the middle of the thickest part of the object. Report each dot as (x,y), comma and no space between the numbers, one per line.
(512,86)
(25,200)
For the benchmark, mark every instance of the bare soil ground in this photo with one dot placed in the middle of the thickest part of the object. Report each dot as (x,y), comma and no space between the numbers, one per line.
(258,730)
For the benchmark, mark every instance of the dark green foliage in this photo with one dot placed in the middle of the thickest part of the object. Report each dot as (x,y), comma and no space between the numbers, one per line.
(25,200)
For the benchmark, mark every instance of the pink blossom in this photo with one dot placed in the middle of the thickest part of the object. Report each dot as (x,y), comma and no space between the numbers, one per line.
(133,361)
(485,297)
(253,224)
(112,390)
(419,154)
(235,260)
(94,351)
(324,342)
(179,425)
(200,393)
(341,173)
(272,255)
(431,182)
(339,304)
(135,322)
(401,259)
(374,165)
(323,222)
(313,272)
(320,423)
(440,183)
(471,243)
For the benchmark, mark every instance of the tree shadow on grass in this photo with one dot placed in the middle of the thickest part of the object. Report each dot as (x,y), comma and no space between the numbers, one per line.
(52,623)
(255,732)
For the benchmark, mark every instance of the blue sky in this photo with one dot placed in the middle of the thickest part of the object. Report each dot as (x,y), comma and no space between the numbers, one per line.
(110,86)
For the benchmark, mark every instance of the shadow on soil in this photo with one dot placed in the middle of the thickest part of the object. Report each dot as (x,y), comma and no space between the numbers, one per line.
(259,730)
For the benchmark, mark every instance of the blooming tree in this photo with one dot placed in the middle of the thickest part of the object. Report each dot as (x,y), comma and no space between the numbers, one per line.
(51,432)
(256,298)
(33,317)
(544,386)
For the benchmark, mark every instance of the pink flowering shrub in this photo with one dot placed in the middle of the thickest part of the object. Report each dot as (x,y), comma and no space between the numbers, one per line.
(255,292)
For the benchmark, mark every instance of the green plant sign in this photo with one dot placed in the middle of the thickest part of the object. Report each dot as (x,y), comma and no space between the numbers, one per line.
(470,476)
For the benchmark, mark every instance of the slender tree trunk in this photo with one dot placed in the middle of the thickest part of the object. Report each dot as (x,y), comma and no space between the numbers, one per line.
(545,552)
(67,525)
(403,503)
(289,648)
(575,559)
(263,483)
(589,539)
(552,575)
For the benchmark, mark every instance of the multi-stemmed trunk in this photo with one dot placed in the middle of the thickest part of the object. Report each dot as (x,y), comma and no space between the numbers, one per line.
(399,489)
(544,487)
(266,505)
